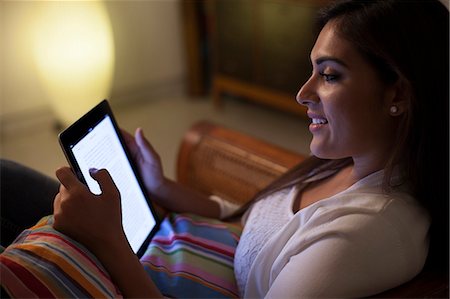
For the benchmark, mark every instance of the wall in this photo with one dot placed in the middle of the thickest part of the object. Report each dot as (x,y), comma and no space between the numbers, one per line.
(20,89)
(148,48)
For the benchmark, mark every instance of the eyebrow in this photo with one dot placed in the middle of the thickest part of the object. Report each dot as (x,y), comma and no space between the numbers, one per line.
(332,59)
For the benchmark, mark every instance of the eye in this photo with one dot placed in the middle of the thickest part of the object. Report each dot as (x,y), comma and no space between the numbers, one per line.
(330,77)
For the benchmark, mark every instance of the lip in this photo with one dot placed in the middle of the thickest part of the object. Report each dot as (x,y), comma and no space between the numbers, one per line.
(315,115)
(316,127)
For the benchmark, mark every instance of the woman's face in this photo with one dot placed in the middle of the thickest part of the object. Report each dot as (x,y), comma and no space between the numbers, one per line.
(347,102)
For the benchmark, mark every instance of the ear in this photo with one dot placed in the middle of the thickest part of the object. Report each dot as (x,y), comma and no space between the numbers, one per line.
(397,98)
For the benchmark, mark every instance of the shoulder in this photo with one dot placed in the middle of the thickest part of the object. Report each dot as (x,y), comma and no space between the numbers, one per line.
(384,232)
(368,198)
(396,216)
(357,240)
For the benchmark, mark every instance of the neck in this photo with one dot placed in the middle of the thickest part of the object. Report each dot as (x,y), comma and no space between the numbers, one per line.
(363,167)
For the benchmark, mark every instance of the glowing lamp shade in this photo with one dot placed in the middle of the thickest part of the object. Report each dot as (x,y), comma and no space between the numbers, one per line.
(74,54)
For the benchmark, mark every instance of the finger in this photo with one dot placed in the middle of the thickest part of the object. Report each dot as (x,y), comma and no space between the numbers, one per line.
(67,177)
(127,137)
(57,203)
(147,150)
(62,190)
(104,179)
(130,143)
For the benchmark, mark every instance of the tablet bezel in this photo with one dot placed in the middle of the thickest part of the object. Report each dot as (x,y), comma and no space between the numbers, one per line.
(78,130)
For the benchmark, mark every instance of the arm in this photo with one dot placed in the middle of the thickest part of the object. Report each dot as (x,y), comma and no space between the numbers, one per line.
(166,193)
(96,222)
(352,256)
(327,268)
(178,198)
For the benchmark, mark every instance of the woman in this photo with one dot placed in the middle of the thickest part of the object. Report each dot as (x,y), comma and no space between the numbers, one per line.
(352,220)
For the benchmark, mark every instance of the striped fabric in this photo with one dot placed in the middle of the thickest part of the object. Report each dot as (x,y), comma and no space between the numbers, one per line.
(43,263)
(192,257)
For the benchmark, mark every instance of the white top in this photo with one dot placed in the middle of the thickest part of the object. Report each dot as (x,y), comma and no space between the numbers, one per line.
(354,244)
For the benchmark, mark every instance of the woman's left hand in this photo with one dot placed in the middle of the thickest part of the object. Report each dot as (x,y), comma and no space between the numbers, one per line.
(93,220)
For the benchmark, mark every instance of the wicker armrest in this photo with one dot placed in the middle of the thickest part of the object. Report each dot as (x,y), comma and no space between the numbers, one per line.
(221,161)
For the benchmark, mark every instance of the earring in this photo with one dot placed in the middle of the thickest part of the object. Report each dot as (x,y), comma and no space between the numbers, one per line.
(393,109)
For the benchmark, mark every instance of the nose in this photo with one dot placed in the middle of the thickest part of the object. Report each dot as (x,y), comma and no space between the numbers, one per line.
(307,94)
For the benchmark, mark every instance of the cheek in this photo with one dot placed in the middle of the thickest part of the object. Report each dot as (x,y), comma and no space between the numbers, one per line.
(354,108)
(341,115)
(348,125)
(358,129)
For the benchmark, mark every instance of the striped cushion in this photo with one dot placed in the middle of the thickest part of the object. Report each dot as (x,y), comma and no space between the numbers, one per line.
(190,257)
(47,264)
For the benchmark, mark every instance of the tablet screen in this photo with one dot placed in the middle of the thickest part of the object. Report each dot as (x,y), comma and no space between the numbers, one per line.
(100,147)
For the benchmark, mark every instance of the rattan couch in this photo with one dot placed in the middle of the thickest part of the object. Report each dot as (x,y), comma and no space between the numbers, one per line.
(217,160)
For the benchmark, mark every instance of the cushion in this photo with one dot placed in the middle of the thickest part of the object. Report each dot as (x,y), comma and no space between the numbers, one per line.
(44,263)
(193,257)
(189,257)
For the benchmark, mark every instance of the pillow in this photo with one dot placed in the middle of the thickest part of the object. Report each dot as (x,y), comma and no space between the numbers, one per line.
(44,263)
(189,257)
(193,257)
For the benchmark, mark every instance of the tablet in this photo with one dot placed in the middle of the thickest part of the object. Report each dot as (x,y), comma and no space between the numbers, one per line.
(95,141)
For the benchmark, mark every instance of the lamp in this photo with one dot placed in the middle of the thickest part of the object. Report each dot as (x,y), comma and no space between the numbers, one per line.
(74,55)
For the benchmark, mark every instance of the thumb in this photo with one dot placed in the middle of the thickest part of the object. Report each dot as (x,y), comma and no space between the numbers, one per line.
(105,181)
(146,149)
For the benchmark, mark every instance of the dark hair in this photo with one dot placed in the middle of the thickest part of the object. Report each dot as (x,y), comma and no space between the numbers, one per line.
(407,42)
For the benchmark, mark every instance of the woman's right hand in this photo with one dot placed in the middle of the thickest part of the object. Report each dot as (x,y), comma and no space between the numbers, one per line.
(146,159)
(165,192)
(96,222)
(93,220)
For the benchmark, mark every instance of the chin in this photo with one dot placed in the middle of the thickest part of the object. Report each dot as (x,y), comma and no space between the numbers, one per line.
(318,152)
(322,153)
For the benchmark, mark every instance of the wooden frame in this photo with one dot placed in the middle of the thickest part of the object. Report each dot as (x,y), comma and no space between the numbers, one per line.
(276,99)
